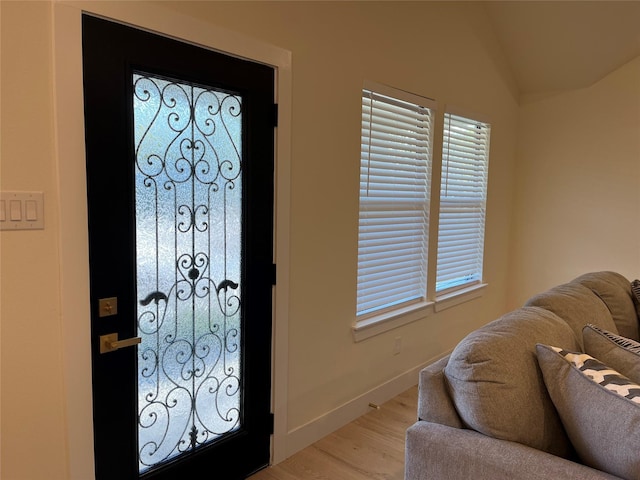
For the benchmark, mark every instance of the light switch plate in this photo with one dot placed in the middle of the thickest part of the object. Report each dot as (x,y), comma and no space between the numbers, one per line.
(22,210)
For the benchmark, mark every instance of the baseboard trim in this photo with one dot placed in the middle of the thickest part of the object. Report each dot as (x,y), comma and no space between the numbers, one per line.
(309,433)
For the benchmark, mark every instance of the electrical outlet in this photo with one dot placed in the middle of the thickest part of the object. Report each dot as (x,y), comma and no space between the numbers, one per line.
(397,345)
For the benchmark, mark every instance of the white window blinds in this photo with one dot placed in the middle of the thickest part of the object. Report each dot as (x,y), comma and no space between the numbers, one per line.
(395,170)
(463,196)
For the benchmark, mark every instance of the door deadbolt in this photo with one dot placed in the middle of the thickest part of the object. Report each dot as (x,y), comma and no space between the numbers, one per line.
(110,342)
(107,306)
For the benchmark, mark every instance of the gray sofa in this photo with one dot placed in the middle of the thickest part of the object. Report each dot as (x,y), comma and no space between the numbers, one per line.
(489,410)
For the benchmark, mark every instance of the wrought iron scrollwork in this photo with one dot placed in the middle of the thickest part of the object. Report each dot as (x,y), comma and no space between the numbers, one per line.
(188,209)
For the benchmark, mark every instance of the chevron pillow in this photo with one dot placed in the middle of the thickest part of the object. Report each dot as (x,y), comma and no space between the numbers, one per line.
(598,407)
(602,375)
(618,352)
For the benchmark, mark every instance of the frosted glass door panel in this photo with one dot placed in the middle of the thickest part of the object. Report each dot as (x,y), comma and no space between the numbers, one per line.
(188,144)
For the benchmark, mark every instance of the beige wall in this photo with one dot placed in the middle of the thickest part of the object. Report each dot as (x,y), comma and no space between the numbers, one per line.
(441,50)
(578,188)
(33,407)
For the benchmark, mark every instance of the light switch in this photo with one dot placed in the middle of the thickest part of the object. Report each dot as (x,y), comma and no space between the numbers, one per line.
(21,210)
(15,210)
(31,210)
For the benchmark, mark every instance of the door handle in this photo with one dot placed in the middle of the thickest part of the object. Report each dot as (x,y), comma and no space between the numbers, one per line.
(110,342)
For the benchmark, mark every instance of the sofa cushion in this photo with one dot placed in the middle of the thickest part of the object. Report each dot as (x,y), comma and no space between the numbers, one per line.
(615,291)
(496,384)
(577,305)
(620,353)
(438,452)
(599,407)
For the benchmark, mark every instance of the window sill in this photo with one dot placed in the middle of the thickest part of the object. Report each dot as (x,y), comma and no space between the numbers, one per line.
(384,322)
(375,325)
(459,296)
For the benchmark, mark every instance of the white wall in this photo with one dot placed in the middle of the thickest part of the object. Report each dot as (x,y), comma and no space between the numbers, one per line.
(441,50)
(578,188)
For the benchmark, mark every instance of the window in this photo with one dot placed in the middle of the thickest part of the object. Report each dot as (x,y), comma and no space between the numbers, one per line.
(395,177)
(463,197)
(395,254)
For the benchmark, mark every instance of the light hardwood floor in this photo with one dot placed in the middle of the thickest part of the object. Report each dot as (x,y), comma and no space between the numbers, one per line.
(370,447)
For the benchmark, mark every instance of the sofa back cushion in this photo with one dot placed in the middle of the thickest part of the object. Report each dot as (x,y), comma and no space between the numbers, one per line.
(615,291)
(577,305)
(497,386)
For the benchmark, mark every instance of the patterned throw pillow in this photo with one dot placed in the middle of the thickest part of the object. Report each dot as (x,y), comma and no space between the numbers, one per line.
(602,374)
(635,290)
(598,407)
(618,352)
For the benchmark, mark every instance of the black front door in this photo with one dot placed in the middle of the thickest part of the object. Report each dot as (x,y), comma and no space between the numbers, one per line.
(179,144)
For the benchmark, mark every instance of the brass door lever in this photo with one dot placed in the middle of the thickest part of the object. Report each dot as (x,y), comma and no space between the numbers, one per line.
(110,342)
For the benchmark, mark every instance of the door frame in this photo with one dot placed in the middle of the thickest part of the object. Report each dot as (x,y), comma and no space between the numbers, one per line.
(70,161)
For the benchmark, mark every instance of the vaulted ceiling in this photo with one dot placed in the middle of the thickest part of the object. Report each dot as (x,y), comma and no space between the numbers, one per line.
(560,45)
(549,45)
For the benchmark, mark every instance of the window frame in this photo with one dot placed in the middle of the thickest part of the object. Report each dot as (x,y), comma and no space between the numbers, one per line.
(476,194)
(385,319)
(378,313)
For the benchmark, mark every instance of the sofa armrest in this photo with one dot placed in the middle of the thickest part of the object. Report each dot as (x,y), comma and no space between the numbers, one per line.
(439,452)
(434,402)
